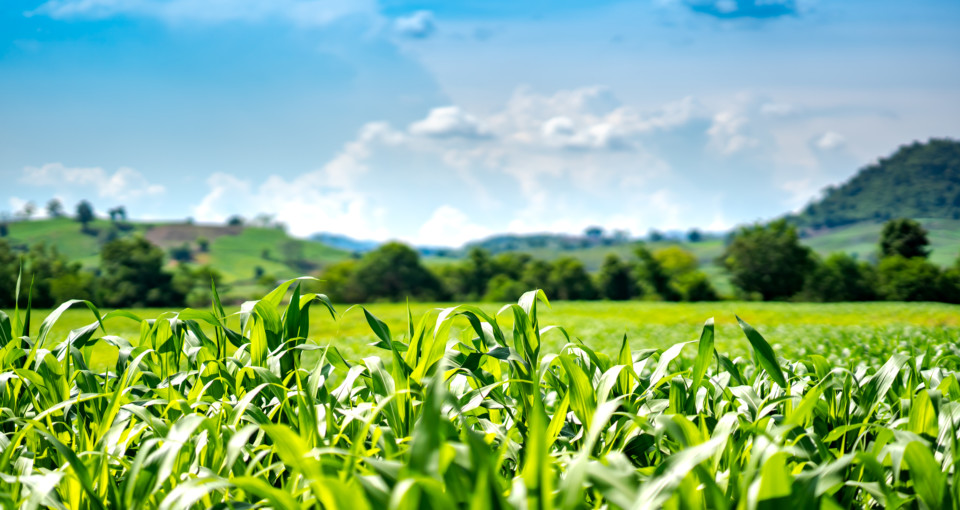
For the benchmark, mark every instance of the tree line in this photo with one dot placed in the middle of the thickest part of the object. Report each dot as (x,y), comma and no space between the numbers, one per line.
(764,261)
(130,273)
(394,271)
(768,262)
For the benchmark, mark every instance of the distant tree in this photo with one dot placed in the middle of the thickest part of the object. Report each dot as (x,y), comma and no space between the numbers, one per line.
(512,264)
(26,212)
(117,214)
(203,244)
(133,276)
(45,273)
(4,229)
(652,276)
(338,284)
(570,280)
(108,234)
(9,268)
(45,265)
(262,220)
(181,253)
(84,214)
(840,278)
(265,254)
(55,208)
(593,232)
(909,279)
(694,286)
(949,286)
(615,280)
(904,237)
(72,285)
(473,275)
(393,272)
(694,236)
(768,260)
(502,288)
(536,275)
(257,272)
(195,284)
(675,260)
(235,221)
(685,281)
(655,236)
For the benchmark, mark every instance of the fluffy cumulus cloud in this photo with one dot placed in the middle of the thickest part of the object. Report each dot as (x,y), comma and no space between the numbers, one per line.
(325,199)
(544,162)
(831,140)
(448,226)
(299,12)
(418,25)
(123,184)
(449,122)
(759,9)
(728,133)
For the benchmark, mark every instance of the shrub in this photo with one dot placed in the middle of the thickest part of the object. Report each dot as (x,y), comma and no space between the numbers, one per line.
(768,259)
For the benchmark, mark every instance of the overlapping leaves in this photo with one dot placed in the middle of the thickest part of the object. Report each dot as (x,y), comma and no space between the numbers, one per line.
(465,410)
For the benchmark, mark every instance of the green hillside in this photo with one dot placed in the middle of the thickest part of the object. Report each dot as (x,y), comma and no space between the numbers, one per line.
(235,251)
(241,253)
(920,180)
(860,240)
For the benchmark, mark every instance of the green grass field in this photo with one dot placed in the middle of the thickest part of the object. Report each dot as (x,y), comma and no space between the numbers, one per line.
(791,326)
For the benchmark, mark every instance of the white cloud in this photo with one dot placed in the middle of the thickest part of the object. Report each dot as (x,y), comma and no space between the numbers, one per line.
(124,184)
(448,226)
(298,12)
(830,140)
(543,162)
(778,109)
(727,133)
(325,199)
(418,25)
(449,122)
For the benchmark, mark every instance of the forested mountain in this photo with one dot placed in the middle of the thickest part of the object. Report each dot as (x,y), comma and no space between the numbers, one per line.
(920,180)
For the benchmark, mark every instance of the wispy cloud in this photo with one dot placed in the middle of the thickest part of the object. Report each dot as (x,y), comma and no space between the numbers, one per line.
(298,12)
(123,184)
(418,25)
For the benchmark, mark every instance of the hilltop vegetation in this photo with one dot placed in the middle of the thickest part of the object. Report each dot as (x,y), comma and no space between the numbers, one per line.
(920,180)
(236,251)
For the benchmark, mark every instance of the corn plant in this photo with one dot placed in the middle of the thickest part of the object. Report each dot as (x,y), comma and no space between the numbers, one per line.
(196,413)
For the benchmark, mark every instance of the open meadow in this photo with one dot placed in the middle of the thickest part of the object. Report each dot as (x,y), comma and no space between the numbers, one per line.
(795,328)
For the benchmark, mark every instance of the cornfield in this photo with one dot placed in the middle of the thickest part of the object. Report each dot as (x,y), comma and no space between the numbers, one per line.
(464,410)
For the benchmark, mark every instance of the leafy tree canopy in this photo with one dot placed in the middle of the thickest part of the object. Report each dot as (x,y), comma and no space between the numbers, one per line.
(768,260)
(920,180)
(904,237)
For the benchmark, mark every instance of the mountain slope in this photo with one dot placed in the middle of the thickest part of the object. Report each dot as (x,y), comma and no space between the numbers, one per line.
(235,251)
(920,180)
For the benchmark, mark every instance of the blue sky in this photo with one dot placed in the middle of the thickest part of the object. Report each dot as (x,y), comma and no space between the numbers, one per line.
(439,122)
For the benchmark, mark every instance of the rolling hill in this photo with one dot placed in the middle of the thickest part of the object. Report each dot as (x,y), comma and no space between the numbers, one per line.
(235,251)
(920,180)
